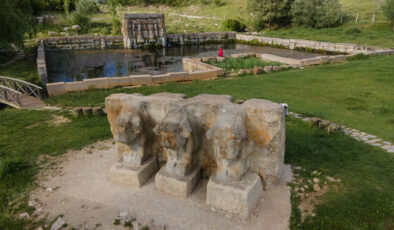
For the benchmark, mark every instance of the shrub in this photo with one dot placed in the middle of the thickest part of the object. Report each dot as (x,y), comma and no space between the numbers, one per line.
(353,31)
(271,12)
(388,9)
(234,25)
(116,27)
(316,13)
(86,7)
(80,19)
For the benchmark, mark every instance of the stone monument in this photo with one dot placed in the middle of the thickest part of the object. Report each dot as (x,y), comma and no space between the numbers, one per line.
(140,29)
(239,147)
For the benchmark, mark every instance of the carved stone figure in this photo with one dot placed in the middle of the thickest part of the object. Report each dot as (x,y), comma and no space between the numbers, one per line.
(228,136)
(179,142)
(240,147)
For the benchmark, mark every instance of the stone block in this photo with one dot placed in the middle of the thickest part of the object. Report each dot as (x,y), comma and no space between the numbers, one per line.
(131,175)
(87,111)
(56,88)
(177,76)
(119,81)
(194,76)
(97,83)
(237,197)
(76,86)
(208,74)
(176,185)
(162,78)
(141,79)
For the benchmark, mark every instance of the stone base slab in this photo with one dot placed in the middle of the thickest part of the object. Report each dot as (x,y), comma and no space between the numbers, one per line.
(135,176)
(175,185)
(239,197)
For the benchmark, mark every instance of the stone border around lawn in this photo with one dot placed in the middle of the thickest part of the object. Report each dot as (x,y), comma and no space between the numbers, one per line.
(354,133)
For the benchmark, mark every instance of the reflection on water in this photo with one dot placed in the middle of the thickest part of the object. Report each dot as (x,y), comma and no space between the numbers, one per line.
(76,65)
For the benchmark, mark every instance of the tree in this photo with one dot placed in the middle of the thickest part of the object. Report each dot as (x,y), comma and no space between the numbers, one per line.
(388,9)
(316,13)
(271,12)
(116,24)
(66,7)
(15,17)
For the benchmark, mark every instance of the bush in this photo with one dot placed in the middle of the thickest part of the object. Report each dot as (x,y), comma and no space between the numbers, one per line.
(388,10)
(116,27)
(273,13)
(234,25)
(87,7)
(316,13)
(353,31)
(80,19)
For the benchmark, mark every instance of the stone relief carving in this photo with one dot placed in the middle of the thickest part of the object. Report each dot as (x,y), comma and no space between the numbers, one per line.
(228,136)
(179,142)
(239,146)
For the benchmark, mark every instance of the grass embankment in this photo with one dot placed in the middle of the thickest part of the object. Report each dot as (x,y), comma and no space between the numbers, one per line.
(242,63)
(358,94)
(24,136)
(24,69)
(213,15)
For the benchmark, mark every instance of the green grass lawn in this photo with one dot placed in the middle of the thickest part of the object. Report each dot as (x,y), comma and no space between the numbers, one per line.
(24,135)
(358,94)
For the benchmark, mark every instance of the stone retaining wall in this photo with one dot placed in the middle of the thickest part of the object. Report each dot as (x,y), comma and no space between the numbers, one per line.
(41,63)
(304,44)
(195,65)
(201,38)
(303,62)
(83,42)
(203,72)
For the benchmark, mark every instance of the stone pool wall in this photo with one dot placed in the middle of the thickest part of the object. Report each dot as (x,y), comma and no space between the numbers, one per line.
(304,44)
(41,63)
(203,72)
(201,38)
(82,42)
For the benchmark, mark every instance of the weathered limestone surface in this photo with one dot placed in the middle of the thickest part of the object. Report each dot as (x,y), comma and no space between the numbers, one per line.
(139,29)
(230,143)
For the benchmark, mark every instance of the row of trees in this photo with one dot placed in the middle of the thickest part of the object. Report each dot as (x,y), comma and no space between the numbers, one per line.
(308,13)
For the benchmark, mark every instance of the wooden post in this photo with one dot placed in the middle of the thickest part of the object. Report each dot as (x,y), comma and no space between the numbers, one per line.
(373,18)
(357,18)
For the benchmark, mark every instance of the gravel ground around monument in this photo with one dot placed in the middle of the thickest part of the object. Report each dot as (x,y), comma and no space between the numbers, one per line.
(79,190)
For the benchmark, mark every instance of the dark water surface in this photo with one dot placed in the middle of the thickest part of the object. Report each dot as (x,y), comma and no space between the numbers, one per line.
(76,65)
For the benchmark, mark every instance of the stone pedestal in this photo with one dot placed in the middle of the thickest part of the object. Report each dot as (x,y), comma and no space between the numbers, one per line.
(131,175)
(237,197)
(176,185)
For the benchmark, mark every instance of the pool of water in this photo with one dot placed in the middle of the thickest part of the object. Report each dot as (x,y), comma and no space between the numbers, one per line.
(76,65)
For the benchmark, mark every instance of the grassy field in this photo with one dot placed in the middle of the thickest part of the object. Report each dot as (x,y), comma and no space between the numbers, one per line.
(24,136)
(363,200)
(358,94)
(212,17)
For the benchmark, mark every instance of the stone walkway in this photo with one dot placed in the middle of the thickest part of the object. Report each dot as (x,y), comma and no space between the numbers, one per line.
(357,134)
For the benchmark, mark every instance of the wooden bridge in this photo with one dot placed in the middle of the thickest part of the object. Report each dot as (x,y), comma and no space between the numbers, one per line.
(20,94)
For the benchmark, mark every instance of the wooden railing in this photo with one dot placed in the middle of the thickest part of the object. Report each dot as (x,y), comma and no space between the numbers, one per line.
(11,89)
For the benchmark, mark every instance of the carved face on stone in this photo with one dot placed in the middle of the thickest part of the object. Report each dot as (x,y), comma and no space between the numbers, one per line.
(228,137)
(128,128)
(174,133)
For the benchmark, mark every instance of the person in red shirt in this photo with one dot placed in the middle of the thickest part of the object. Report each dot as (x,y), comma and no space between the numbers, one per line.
(220,52)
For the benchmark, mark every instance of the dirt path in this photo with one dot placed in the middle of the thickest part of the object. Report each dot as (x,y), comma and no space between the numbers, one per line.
(79,188)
